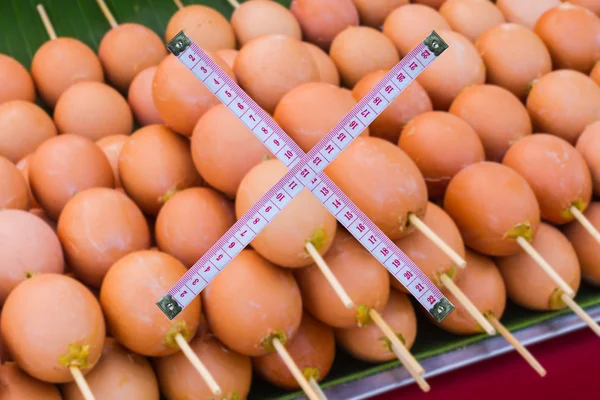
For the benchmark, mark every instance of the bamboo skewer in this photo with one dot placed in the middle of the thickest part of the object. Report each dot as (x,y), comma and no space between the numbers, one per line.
(581,313)
(198,365)
(107,14)
(178,4)
(82,383)
(234,3)
(315,385)
(586,223)
(46,21)
(440,244)
(295,371)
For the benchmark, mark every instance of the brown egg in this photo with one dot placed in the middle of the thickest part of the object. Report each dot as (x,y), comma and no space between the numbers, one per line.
(96,228)
(431,3)
(441,144)
(111,146)
(139,280)
(120,375)
(458,67)
(224,149)
(228,55)
(563,102)
(304,219)
(595,74)
(492,205)
(360,50)
(178,379)
(572,34)
(23,127)
(15,81)
(308,112)
(408,25)
(17,385)
(525,13)
(423,252)
(60,63)
(471,17)
(585,245)
(588,145)
(40,213)
(272,65)
(482,283)
(127,49)
(383,182)
(261,17)
(514,57)
(27,247)
(180,98)
(361,275)
(556,172)
(154,164)
(496,115)
(374,12)
(186,214)
(208,28)
(15,192)
(23,167)
(527,284)
(64,165)
(4,355)
(313,350)
(412,101)
(322,21)
(140,98)
(51,322)
(327,69)
(369,343)
(270,307)
(591,5)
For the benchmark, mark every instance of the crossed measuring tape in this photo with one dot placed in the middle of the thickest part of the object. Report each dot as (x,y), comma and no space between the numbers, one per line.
(305,171)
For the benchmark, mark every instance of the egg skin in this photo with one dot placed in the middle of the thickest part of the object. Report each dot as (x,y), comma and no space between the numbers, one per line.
(482,283)
(188,212)
(23,127)
(15,81)
(138,280)
(43,317)
(383,182)
(17,385)
(15,193)
(127,49)
(140,98)
(591,5)
(94,110)
(325,65)
(366,343)
(527,284)
(52,75)
(204,25)
(304,219)
(471,17)
(441,144)
(272,65)
(595,74)
(431,3)
(411,102)
(556,172)
(586,247)
(588,145)
(373,12)
(308,112)
(153,164)
(178,378)
(180,98)
(321,22)
(228,55)
(361,275)
(572,34)
(563,103)
(488,201)
(111,146)
(52,175)
(496,115)
(514,57)
(525,13)
(271,304)
(32,248)
(23,167)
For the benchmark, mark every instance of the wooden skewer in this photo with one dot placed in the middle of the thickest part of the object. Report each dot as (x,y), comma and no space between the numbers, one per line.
(107,14)
(581,313)
(315,385)
(293,368)
(418,378)
(200,367)
(467,304)
(527,356)
(586,223)
(543,264)
(234,3)
(178,4)
(335,284)
(46,21)
(82,383)
(440,244)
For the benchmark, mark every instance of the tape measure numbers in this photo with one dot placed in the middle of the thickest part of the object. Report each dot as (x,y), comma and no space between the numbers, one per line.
(305,171)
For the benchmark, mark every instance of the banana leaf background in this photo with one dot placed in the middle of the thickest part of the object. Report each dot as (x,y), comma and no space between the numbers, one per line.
(22,33)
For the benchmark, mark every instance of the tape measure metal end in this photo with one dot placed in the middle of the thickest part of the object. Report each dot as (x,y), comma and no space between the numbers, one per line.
(169,306)
(441,309)
(435,43)
(179,43)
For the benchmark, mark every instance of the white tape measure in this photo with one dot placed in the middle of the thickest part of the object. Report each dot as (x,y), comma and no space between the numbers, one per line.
(305,171)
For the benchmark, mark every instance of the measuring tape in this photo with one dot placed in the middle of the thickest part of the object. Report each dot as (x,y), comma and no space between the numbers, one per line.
(305,171)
